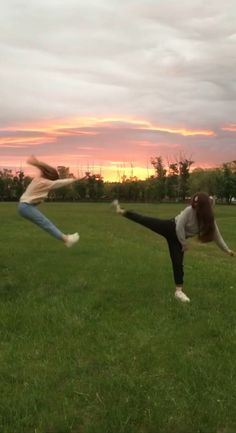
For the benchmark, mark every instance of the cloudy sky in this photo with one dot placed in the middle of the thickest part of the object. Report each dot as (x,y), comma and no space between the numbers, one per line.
(107,84)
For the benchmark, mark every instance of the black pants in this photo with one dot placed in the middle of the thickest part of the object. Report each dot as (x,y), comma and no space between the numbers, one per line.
(164,228)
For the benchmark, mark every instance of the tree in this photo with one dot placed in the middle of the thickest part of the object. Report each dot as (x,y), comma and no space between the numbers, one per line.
(184,174)
(229,181)
(172,181)
(19,184)
(161,171)
(203,180)
(6,177)
(94,186)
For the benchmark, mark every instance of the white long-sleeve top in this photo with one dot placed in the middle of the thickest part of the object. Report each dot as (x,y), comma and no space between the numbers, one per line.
(187,226)
(38,190)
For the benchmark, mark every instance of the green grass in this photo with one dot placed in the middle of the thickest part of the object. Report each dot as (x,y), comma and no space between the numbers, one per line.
(92,339)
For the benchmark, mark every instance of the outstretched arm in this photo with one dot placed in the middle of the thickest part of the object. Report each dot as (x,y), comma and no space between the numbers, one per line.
(220,242)
(59,183)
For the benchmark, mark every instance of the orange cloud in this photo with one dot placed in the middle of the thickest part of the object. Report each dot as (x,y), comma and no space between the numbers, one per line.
(66,126)
(230,128)
(24,141)
(146,125)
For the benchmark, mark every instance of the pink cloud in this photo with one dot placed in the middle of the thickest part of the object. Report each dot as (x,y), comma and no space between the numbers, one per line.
(111,144)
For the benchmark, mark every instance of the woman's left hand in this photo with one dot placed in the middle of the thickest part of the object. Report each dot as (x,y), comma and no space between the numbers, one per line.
(231,253)
(31,160)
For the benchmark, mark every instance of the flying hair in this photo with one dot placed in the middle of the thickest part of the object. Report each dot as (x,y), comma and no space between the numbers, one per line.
(46,170)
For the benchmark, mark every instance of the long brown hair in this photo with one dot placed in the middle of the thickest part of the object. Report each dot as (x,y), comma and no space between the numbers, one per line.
(202,203)
(46,170)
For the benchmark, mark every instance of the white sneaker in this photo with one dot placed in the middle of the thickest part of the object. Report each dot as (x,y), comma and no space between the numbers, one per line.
(181,296)
(71,240)
(115,202)
(116,205)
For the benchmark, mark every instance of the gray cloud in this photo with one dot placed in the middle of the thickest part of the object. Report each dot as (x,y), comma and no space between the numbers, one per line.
(170,62)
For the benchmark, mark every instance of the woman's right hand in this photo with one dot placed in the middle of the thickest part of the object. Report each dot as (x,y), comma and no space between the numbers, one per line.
(231,253)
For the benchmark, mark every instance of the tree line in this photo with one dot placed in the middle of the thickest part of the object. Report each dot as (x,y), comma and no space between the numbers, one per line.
(173,181)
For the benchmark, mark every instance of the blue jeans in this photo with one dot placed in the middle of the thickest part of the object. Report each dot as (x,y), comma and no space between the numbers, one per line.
(30,212)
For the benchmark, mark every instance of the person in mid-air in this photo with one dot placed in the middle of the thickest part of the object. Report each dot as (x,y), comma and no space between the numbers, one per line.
(36,192)
(196,219)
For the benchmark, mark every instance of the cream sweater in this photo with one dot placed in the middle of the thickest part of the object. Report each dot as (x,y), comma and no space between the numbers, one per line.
(187,226)
(37,191)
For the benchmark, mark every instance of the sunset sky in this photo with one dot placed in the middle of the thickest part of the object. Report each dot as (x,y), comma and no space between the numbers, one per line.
(104,85)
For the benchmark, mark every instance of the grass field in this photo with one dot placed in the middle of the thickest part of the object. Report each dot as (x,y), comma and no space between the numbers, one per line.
(92,339)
